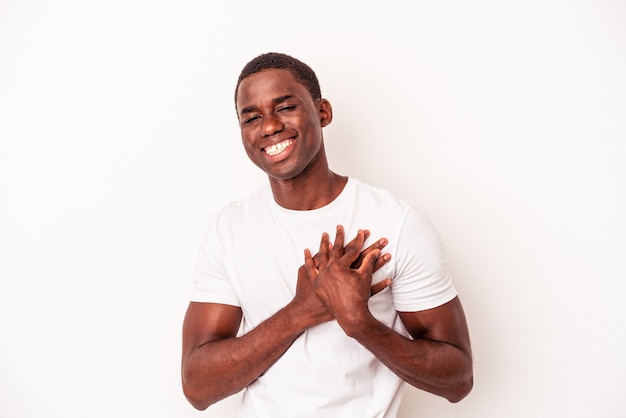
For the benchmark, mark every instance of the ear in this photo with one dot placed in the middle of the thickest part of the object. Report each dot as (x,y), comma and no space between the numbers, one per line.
(326,112)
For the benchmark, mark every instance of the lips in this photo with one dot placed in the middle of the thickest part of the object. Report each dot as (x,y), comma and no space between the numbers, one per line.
(276,149)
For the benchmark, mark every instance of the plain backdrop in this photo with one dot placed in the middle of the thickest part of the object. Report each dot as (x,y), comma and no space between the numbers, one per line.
(503,121)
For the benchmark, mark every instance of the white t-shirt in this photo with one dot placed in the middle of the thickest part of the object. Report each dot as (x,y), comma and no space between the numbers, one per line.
(250,258)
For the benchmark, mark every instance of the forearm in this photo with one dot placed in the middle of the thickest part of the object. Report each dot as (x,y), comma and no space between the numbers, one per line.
(221,368)
(433,366)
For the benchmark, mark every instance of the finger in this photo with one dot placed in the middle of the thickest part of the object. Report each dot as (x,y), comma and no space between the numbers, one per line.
(322,255)
(381,261)
(355,241)
(353,249)
(380,286)
(316,260)
(337,250)
(369,262)
(309,261)
(378,245)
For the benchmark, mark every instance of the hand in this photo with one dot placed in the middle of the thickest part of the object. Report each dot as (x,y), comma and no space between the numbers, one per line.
(381,261)
(306,299)
(341,276)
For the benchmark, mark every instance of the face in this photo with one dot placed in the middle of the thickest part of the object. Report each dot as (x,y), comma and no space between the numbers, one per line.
(281,124)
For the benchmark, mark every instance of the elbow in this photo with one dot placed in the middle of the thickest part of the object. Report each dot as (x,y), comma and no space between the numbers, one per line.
(461,390)
(194,398)
(194,393)
(200,406)
(463,381)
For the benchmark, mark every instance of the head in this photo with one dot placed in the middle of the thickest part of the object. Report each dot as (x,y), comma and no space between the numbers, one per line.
(274,60)
(281,115)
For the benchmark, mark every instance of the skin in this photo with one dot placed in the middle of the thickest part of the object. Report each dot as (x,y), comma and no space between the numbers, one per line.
(437,359)
(273,108)
(213,356)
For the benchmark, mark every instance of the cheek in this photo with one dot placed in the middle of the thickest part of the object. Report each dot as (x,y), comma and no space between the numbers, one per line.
(247,145)
(249,149)
(246,140)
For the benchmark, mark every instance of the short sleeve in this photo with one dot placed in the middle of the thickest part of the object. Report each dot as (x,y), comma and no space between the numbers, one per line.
(422,280)
(211,282)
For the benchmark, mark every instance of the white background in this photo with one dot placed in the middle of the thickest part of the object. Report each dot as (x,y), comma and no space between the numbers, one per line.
(503,121)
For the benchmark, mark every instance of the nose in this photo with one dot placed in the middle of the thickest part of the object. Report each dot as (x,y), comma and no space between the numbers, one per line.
(272,125)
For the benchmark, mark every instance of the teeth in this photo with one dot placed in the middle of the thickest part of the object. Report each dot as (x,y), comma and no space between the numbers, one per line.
(278,148)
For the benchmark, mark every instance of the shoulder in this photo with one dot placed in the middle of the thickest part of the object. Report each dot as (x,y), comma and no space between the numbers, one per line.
(238,210)
(235,217)
(379,201)
(379,197)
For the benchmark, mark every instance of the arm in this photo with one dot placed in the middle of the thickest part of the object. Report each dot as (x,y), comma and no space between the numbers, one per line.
(437,359)
(216,363)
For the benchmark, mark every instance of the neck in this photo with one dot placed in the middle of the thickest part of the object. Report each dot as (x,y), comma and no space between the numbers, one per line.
(307,193)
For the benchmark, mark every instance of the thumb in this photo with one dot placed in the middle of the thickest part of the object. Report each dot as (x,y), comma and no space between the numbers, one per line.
(309,261)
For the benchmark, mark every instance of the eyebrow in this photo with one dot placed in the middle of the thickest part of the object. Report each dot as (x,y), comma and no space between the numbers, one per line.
(280,99)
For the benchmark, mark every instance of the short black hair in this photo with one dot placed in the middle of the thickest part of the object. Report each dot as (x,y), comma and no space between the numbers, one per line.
(275,60)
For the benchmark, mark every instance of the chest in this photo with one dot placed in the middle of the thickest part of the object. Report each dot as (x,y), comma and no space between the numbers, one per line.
(263,262)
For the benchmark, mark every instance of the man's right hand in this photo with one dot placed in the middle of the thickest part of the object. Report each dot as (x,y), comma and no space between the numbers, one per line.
(307,301)
(310,304)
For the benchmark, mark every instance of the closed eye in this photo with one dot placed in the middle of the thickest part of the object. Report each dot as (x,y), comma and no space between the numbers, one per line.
(250,119)
(287,108)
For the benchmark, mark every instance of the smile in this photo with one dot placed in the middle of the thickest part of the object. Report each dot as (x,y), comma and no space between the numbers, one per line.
(278,148)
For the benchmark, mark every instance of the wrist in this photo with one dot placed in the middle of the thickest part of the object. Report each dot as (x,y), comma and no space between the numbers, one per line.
(357,322)
(299,318)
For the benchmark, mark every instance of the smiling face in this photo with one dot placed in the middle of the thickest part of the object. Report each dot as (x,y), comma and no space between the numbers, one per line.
(281,125)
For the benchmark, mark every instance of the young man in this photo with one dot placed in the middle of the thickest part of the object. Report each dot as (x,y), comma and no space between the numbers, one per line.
(330,335)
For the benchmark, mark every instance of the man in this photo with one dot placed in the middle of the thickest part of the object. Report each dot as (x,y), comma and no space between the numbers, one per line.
(330,335)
